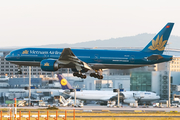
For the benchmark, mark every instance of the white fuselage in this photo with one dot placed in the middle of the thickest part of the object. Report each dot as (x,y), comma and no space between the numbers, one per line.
(143,96)
(93,95)
(106,95)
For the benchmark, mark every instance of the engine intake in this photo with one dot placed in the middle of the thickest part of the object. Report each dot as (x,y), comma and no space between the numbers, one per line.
(49,65)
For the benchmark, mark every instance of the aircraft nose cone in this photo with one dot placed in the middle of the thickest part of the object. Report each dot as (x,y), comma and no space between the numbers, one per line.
(7,57)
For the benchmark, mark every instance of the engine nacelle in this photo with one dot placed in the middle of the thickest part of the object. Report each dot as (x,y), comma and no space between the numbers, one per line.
(129,100)
(49,65)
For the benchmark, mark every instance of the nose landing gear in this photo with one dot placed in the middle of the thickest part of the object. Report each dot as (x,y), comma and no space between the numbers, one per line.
(19,70)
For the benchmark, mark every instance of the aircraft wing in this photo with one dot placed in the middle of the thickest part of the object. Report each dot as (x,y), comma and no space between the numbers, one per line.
(154,57)
(68,55)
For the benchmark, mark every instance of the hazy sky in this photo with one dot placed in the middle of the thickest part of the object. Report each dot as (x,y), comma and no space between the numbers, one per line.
(40,22)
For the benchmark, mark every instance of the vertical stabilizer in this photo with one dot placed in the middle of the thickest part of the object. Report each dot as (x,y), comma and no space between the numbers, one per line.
(64,83)
(158,44)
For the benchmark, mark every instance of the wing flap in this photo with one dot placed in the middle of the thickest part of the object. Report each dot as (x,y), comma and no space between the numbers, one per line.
(67,56)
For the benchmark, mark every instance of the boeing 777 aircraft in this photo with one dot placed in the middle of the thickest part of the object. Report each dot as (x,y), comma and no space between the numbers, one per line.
(83,60)
(128,96)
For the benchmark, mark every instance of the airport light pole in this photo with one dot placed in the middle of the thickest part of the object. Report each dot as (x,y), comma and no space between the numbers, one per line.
(117,90)
(74,90)
(169,87)
(29,85)
(75,96)
(169,96)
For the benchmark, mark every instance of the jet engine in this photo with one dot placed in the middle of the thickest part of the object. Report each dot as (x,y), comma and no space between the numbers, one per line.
(49,65)
(129,100)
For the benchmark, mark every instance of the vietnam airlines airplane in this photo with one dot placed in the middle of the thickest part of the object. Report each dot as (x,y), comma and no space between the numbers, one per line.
(97,95)
(83,60)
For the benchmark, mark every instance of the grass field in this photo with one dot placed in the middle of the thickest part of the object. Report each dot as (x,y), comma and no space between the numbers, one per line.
(109,119)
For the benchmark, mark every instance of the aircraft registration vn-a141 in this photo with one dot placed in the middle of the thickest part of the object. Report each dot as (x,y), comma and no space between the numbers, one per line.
(82,60)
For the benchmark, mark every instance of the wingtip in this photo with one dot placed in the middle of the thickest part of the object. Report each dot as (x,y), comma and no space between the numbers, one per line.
(170,23)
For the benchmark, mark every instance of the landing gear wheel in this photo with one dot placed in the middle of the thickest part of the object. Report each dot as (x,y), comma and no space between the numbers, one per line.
(100,77)
(83,76)
(96,76)
(19,70)
(75,74)
(91,74)
(79,75)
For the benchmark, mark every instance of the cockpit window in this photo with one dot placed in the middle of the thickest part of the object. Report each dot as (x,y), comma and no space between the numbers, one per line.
(11,54)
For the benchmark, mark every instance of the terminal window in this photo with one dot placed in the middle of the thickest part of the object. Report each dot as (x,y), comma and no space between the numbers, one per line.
(140,81)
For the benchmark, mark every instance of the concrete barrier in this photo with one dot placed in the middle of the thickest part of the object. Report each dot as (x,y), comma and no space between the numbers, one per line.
(34,116)
(25,116)
(87,110)
(6,116)
(61,116)
(43,116)
(52,116)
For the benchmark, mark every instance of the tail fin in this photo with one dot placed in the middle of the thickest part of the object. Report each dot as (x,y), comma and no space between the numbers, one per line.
(64,83)
(158,44)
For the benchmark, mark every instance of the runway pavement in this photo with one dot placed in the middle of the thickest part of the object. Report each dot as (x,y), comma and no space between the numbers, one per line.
(101,108)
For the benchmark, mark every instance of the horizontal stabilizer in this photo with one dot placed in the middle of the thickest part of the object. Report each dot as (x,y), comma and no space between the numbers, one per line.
(154,57)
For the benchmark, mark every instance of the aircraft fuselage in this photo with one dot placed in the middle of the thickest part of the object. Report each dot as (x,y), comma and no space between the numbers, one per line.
(97,59)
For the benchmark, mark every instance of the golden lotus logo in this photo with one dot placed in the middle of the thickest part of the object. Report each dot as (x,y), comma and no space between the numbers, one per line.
(158,44)
(63,82)
(46,64)
(25,52)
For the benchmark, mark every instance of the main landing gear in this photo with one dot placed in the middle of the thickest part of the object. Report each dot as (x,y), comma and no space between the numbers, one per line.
(97,74)
(79,75)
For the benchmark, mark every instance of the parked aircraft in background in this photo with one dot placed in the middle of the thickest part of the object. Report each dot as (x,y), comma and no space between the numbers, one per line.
(128,96)
(83,60)
(84,94)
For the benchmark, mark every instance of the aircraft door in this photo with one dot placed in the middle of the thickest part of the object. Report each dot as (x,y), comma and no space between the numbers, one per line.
(132,59)
(96,57)
(18,55)
(46,56)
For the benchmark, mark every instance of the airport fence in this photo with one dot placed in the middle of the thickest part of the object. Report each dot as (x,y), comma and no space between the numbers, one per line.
(29,116)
